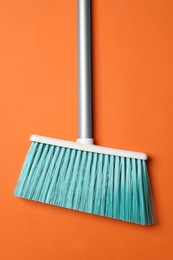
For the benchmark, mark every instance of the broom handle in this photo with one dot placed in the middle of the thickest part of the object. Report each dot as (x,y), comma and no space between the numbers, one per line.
(84,73)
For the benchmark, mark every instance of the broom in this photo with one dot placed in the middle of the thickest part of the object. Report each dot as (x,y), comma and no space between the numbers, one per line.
(83,176)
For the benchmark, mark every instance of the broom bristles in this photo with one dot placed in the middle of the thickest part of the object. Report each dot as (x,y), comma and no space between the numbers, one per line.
(106,185)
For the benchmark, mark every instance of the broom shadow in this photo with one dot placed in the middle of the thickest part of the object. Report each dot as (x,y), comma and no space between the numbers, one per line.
(150,163)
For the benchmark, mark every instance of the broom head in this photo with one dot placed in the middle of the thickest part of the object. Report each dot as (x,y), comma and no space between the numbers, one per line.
(89,178)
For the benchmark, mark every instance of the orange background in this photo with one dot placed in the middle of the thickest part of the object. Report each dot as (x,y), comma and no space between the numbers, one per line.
(133,96)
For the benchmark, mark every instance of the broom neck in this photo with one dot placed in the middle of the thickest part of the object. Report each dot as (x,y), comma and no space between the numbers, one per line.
(84,72)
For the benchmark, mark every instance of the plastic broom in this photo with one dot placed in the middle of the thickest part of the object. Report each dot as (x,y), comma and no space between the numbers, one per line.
(83,176)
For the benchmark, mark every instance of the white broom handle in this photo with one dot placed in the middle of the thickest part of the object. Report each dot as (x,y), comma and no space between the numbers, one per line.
(84,72)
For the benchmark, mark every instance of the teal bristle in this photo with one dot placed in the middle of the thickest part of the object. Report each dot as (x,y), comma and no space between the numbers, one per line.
(106,185)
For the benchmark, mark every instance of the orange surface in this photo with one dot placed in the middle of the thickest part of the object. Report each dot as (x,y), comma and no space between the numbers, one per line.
(133,96)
